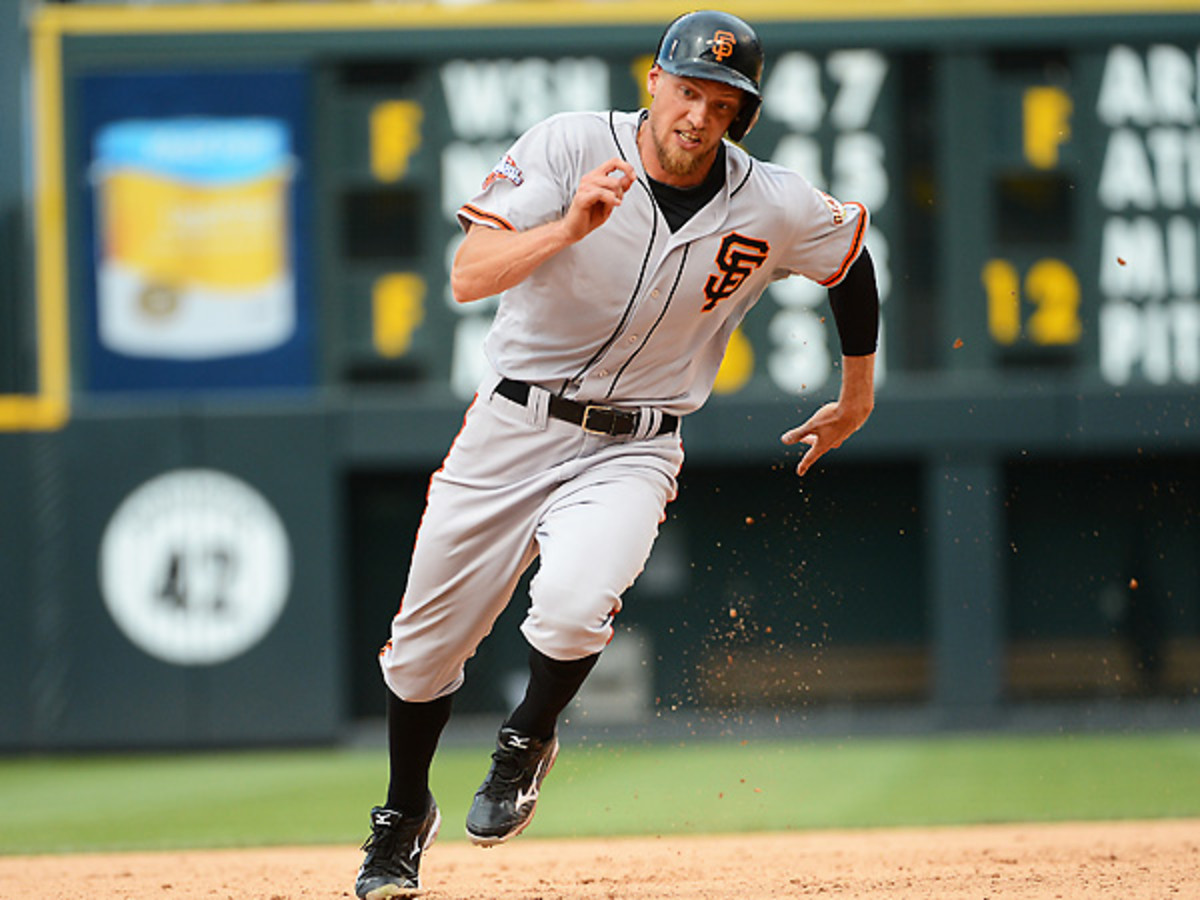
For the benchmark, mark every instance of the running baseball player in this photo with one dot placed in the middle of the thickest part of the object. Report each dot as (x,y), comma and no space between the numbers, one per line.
(625,247)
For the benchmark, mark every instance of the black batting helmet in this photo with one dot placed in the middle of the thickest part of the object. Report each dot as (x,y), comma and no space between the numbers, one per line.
(720,47)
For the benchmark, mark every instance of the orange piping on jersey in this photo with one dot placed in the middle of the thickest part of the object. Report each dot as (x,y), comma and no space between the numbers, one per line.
(483,217)
(855,246)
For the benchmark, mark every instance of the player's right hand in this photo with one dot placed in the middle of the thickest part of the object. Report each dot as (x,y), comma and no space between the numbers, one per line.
(600,191)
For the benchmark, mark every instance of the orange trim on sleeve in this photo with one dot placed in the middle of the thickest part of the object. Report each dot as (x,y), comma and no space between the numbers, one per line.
(483,217)
(855,247)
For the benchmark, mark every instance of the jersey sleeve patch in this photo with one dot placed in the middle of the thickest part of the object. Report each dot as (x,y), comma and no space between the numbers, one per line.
(477,216)
(836,209)
(506,169)
(856,243)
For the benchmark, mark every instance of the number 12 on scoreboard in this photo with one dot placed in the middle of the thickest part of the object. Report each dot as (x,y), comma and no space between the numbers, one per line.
(1052,290)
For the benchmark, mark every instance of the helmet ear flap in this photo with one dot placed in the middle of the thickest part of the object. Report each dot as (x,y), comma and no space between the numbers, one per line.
(746,117)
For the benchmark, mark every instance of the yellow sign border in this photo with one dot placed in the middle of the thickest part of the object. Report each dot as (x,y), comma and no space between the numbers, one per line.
(49,408)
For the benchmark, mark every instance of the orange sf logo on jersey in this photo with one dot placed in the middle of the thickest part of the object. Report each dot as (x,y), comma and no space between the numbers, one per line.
(737,258)
(723,44)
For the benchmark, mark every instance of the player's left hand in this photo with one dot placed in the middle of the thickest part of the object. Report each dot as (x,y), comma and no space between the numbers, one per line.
(825,430)
(830,425)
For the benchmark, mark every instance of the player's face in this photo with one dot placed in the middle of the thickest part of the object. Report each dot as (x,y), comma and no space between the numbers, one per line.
(688,117)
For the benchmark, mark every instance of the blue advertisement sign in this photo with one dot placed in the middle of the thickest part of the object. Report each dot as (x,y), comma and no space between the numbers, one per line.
(197,223)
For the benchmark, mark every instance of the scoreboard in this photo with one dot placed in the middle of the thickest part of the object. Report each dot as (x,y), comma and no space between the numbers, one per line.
(1092,258)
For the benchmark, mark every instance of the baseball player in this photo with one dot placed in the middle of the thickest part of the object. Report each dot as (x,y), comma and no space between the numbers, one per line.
(625,247)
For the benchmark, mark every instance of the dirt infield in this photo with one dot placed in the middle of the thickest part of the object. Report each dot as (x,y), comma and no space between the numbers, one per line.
(1131,861)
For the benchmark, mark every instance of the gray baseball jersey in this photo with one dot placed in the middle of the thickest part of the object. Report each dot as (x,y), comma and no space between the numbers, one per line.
(634,316)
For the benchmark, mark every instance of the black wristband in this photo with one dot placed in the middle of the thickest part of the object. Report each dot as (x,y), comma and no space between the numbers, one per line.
(855,304)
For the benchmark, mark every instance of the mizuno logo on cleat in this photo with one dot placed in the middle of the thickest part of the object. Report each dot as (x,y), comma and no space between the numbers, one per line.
(520,741)
(531,795)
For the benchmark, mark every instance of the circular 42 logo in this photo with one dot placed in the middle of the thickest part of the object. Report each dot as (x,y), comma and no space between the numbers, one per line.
(195,567)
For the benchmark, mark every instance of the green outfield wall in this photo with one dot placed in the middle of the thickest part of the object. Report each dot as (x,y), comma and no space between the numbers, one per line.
(229,362)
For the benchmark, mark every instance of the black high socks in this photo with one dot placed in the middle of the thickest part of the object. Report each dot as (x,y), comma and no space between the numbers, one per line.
(413,733)
(552,685)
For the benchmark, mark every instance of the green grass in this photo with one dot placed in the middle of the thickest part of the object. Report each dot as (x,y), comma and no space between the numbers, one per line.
(59,804)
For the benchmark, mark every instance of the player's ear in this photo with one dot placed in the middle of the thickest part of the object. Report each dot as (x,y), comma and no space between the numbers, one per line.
(652,78)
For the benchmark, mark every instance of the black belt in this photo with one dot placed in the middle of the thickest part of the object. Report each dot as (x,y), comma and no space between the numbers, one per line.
(588,416)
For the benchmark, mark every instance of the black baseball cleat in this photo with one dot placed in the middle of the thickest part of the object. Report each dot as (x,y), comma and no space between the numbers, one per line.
(505,802)
(393,863)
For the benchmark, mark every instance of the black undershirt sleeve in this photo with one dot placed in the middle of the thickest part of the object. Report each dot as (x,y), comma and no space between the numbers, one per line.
(855,304)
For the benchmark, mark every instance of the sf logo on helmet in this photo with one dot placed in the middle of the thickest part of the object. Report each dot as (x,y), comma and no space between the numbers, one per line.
(738,257)
(723,44)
